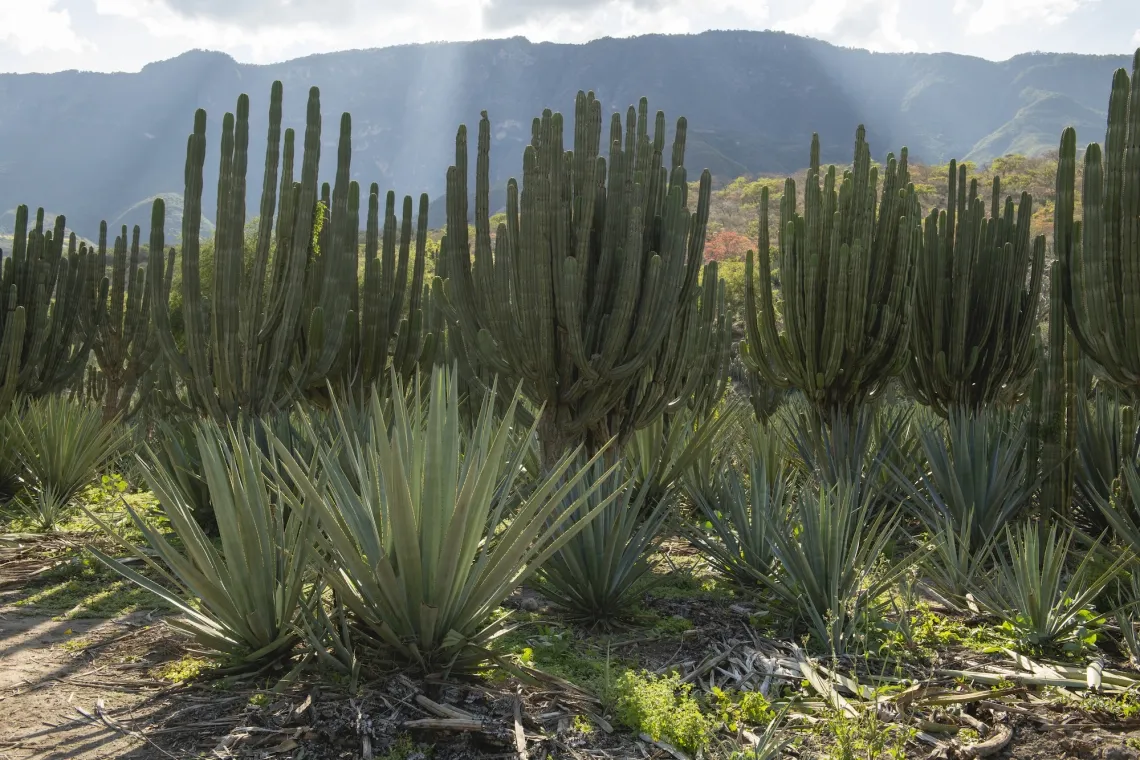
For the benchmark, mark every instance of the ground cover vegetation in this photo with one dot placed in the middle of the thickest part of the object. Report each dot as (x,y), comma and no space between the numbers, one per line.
(549,484)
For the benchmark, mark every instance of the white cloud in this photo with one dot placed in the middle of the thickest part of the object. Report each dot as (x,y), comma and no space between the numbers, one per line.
(991,15)
(871,24)
(32,26)
(51,35)
(283,34)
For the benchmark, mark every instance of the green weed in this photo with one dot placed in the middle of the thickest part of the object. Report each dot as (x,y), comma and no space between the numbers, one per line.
(663,708)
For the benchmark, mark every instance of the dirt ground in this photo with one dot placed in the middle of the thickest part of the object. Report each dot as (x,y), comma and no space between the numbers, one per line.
(45,684)
(95,688)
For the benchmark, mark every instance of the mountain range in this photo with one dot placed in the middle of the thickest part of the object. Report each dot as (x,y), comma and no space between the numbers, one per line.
(99,146)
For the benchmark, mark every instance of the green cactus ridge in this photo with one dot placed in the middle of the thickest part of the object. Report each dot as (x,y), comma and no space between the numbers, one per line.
(978,283)
(1101,256)
(591,293)
(847,272)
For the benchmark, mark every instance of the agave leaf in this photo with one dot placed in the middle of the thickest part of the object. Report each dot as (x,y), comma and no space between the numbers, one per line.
(976,484)
(827,557)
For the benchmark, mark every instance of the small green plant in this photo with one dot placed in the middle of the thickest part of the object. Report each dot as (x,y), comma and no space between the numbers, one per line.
(403,748)
(737,709)
(583,725)
(1123,707)
(185,669)
(865,737)
(62,444)
(663,708)
(1038,600)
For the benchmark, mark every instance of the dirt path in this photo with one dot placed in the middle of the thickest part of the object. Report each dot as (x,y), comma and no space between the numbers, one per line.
(52,669)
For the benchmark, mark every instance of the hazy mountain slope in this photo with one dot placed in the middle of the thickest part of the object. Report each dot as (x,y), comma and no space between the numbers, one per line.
(95,144)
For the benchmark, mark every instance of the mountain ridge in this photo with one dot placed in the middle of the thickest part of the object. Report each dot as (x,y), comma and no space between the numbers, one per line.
(94,144)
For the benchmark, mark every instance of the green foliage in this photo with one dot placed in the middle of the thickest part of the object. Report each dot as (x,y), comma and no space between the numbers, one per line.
(62,445)
(405,514)
(663,708)
(1036,596)
(597,574)
(740,517)
(11,466)
(828,555)
(662,453)
(241,597)
(865,737)
(976,485)
(1106,438)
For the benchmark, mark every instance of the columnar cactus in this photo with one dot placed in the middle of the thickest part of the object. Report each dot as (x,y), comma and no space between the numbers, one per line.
(389,328)
(47,308)
(1101,257)
(1056,393)
(125,343)
(591,295)
(259,347)
(846,277)
(12,325)
(978,282)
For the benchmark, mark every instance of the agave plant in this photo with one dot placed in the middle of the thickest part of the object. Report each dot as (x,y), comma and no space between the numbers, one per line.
(827,557)
(11,468)
(853,450)
(62,445)
(1106,437)
(1036,596)
(417,539)
(660,454)
(243,596)
(597,574)
(740,518)
(977,482)
(1121,509)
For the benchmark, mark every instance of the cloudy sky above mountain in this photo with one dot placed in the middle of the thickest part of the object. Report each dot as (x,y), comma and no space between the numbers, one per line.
(124,35)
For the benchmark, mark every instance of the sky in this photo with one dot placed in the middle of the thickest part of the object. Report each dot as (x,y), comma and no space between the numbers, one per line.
(125,35)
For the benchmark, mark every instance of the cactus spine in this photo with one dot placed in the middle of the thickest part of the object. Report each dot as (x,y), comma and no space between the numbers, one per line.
(125,344)
(591,294)
(847,270)
(1101,257)
(973,336)
(47,304)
